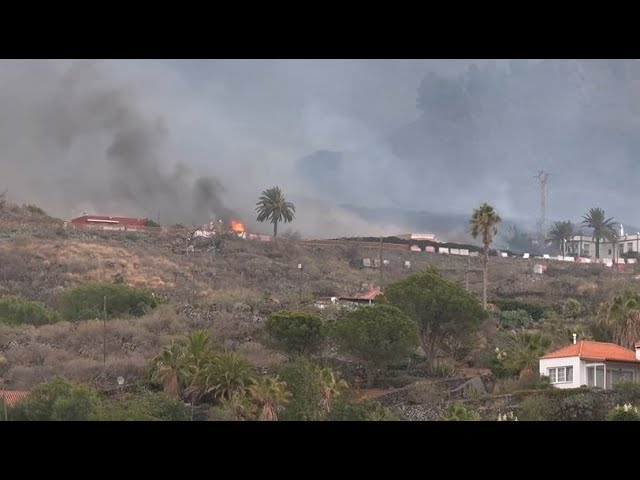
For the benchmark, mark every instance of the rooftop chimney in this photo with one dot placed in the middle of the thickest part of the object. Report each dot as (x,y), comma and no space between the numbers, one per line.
(575,335)
(638,350)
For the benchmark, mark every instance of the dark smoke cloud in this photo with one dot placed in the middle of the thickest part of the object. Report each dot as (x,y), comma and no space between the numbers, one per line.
(399,136)
(90,147)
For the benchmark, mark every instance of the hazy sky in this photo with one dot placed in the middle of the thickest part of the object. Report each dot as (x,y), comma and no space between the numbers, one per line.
(131,137)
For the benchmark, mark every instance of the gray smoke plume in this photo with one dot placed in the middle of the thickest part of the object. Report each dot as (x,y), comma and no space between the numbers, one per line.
(85,145)
(400,145)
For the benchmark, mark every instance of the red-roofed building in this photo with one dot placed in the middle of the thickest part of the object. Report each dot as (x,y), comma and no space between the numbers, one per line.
(363,297)
(594,364)
(103,222)
(11,396)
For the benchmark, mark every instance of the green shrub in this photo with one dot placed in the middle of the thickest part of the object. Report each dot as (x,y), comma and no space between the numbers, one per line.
(533,408)
(148,406)
(304,382)
(443,368)
(345,409)
(536,311)
(627,392)
(86,301)
(625,413)
(457,412)
(564,405)
(515,319)
(571,308)
(17,311)
(59,399)
(295,333)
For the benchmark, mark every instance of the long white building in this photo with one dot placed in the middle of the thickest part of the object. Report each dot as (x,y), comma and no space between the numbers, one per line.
(585,245)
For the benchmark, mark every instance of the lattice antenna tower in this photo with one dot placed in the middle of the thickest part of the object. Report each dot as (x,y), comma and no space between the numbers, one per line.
(542,178)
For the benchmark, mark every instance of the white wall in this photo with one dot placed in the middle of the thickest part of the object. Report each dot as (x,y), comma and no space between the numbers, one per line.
(605,246)
(578,372)
(580,369)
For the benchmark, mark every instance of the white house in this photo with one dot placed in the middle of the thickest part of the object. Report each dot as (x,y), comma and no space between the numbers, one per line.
(585,245)
(594,364)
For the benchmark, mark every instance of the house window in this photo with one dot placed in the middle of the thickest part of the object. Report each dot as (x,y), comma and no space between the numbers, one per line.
(620,250)
(609,252)
(595,376)
(561,374)
(630,247)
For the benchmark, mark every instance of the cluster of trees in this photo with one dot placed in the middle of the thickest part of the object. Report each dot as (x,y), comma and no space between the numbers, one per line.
(603,229)
(84,302)
(200,372)
(64,400)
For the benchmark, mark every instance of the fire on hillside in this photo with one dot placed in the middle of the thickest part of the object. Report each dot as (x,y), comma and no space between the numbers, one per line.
(234,227)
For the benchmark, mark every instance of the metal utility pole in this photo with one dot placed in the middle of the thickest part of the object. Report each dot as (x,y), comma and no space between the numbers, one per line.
(380,254)
(104,332)
(468,268)
(300,283)
(542,178)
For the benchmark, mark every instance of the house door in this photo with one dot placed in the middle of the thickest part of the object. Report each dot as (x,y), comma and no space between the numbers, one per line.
(595,376)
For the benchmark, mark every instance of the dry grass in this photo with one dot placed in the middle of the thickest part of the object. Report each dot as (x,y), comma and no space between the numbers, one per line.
(230,293)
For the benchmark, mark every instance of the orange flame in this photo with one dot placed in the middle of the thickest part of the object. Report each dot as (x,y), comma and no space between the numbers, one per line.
(237,226)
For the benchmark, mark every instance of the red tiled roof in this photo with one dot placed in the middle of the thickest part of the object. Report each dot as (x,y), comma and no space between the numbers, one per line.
(637,345)
(368,295)
(595,351)
(12,396)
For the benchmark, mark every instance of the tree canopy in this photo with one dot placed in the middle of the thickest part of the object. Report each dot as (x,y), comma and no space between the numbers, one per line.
(440,307)
(295,333)
(377,335)
(274,207)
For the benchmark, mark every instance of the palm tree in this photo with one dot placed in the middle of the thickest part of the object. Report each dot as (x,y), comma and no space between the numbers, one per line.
(561,233)
(197,355)
(622,315)
(229,373)
(240,406)
(603,229)
(526,349)
(169,363)
(483,223)
(271,394)
(272,206)
(331,388)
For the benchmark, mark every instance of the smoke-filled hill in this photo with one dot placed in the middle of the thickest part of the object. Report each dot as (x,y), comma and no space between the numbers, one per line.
(483,134)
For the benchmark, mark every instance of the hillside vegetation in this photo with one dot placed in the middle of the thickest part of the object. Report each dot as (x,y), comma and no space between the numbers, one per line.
(53,284)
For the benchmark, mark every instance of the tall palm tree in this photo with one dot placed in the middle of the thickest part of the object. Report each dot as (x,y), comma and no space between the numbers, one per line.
(561,233)
(603,228)
(272,206)
(622,316)
(271,395)
(483,223)
(169,363)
